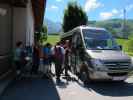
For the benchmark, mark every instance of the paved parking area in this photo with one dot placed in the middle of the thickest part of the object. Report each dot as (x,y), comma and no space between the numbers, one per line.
(46,89)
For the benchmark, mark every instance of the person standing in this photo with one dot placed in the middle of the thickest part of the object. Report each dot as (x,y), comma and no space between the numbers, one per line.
(67,57)
(50,59)
(36,58)
(46,59)
(18,56)
(58,53)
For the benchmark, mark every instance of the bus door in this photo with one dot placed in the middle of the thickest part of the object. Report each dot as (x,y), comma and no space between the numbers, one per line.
(75,57)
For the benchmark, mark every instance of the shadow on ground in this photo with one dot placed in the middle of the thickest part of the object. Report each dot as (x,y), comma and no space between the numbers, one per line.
(31,89)
(114,89)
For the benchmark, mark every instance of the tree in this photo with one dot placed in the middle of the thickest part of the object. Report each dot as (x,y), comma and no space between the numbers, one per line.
(42,35)
(73,16)
(45,29)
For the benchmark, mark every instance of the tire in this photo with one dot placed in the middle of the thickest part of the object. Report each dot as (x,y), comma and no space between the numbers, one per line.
(121,81)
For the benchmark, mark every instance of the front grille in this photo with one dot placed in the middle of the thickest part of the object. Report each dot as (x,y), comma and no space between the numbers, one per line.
(118,68)
(117,74)
(117,65)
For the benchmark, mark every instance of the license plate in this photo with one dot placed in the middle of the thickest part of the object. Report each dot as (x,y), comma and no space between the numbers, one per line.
(119,78)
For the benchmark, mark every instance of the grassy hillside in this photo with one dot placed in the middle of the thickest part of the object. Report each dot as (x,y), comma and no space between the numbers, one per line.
(53,39)
(124,43)
(115,26)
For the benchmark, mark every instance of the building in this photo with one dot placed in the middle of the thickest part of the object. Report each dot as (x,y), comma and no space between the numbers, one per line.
(19,19)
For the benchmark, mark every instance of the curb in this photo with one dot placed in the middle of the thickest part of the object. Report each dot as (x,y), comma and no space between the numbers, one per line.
(5,83)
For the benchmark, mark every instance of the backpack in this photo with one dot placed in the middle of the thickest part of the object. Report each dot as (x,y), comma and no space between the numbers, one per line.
(58,56)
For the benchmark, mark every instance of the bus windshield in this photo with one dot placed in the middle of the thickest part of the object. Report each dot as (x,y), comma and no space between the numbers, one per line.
(99,40)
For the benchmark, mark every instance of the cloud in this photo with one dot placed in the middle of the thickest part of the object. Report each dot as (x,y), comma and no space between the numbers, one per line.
(54,7)
(92,5)
(58,0)
(115,11)
(108,15)
(129,7)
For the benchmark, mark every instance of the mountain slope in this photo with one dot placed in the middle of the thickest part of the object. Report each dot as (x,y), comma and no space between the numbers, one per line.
(115,26)
(53,27)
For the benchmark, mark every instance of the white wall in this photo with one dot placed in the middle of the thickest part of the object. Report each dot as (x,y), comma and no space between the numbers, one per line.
(5,30)
(5,39)
(23,25)
(16,26)
(30,25)
(19,25)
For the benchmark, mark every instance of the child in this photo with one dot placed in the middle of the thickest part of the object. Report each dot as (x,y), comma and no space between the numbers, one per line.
(18,56)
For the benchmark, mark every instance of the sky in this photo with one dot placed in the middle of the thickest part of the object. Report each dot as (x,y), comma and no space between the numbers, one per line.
(95,9)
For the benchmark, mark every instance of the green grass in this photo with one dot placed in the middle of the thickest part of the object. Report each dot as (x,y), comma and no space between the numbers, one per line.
(124,42)
(52,39)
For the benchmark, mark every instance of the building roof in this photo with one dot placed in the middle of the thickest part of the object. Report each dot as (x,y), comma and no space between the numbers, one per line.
(38,11)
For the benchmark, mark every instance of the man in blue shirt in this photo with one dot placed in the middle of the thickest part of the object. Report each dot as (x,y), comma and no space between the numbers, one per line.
(47,59)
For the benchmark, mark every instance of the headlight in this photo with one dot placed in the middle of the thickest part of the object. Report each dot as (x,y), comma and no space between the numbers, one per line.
(98,64)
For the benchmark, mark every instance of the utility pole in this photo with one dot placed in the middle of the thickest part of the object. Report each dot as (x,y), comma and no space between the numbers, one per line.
(124,23)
